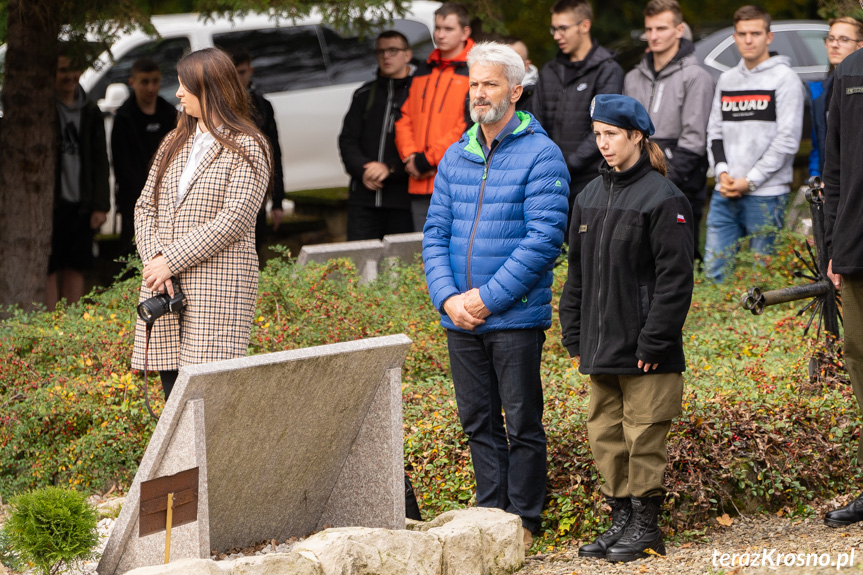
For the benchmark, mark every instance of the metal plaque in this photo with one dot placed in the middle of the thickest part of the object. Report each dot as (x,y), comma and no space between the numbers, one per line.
(154,501)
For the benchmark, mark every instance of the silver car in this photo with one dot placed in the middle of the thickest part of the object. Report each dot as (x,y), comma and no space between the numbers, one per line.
(801,40)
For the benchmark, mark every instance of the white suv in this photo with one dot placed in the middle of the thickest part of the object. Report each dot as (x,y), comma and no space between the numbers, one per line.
(306,69)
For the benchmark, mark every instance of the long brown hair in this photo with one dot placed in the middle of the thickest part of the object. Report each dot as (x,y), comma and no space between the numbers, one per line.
(210,76)
(657,157)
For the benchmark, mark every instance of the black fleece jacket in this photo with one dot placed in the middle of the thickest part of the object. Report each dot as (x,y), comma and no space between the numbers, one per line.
(368,135)
(843,169)
(561,103)
(630,273)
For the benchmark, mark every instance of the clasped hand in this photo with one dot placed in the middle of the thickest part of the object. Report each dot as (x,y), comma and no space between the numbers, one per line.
(466,310)
(732,187)
(157,275)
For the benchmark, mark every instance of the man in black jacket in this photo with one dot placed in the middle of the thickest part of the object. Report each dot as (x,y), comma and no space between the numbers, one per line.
(139,126)
(82,196)
(561,102)
(843,212)
(265,118)
(378,203)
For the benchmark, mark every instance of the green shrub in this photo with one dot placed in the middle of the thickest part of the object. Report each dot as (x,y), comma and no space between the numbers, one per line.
(756,435)
(52,528)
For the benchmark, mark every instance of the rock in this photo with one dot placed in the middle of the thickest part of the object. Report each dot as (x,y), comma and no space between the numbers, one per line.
(182,567)
(111,508)
(277,564)
(364,551)
(412,524)
(478,541)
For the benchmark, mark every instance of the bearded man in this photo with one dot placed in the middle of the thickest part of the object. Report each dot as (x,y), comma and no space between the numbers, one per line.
(494,229)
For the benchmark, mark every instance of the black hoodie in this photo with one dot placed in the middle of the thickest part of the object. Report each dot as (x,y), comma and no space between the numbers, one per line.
(135,138)
(629,285)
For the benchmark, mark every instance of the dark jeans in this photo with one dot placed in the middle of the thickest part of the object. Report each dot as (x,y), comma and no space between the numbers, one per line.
(493,371)
(419,210)
(371,223)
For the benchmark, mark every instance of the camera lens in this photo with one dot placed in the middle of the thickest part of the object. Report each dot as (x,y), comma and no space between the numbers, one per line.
(152,309)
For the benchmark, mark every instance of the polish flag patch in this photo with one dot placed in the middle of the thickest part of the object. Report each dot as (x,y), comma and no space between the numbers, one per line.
(681,219)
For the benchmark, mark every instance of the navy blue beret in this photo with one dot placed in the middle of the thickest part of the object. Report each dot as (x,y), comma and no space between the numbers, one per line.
(621,111)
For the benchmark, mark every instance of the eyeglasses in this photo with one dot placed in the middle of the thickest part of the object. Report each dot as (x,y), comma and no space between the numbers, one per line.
(562,29)
(389,51)
(844,40)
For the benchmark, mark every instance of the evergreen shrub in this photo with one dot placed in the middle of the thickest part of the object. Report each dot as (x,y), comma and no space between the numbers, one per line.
(51,528)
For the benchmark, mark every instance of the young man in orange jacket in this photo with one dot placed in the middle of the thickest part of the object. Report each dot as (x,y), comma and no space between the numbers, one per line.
(435,114)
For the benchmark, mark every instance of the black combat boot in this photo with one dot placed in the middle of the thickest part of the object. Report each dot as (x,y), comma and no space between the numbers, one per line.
(851,513)
(641,534)
(621,511)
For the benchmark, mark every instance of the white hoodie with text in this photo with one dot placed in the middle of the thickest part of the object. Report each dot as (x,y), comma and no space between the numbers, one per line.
(755,124)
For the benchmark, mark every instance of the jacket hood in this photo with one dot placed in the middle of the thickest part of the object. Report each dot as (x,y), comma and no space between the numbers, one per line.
(435,58)
(80,100)
(531,76)
(770,63)
(129,107)
(681,60)
(597,55)
(470,148)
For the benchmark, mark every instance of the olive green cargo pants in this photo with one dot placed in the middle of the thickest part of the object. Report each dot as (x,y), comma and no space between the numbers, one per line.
(627,423)
(852,321)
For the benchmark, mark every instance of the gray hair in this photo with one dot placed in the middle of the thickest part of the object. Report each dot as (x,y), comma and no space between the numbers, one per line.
(496,54)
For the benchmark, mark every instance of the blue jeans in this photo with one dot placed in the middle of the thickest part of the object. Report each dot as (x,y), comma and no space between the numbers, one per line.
(494,371)
(729,220)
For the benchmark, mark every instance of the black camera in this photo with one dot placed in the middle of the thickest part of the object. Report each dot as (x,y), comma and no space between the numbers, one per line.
(152,309)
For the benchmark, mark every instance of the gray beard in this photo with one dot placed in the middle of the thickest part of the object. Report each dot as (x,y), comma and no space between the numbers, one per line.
(495,114)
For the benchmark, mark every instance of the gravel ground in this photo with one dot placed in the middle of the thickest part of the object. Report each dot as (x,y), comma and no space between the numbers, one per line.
(768,540)
(763,544)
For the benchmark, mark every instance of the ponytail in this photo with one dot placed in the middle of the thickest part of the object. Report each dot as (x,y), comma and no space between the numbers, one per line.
(657,158)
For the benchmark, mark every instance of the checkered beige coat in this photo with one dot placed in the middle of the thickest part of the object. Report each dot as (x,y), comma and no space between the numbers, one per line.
(209,244)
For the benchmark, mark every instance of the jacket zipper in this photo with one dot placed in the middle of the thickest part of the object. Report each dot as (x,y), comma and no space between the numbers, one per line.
(428,124)
(425,89)
(383,142)
(445,92)
(652,93)
(599,291)
(478,213)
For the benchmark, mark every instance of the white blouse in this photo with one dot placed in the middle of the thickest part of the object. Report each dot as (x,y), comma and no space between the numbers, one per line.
(201,145)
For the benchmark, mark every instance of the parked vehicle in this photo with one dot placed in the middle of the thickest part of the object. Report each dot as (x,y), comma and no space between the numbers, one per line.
(307,70)
(801,40)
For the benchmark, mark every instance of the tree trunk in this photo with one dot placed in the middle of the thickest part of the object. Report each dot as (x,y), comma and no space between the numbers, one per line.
(27,151)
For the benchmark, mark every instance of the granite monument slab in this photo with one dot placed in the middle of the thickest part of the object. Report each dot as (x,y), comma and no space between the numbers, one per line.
(365,254)
(286,443)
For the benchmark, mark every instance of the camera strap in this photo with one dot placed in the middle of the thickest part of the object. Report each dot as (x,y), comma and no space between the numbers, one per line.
(146,381)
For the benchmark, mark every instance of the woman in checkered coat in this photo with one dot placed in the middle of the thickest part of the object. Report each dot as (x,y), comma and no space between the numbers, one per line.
(195,221)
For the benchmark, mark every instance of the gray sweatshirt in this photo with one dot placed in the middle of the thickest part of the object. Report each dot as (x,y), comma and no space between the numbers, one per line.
(70,156)
(677,98)
(755,124)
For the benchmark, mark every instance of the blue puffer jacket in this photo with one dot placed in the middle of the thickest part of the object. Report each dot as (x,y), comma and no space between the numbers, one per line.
(498,226)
